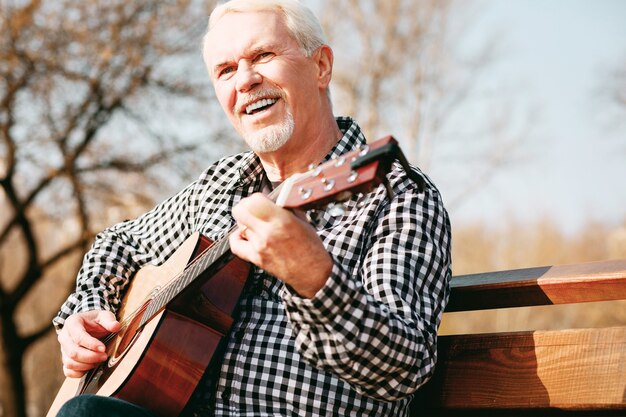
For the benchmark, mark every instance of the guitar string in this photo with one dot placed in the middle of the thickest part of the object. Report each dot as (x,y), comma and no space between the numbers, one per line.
(127,321)
(273,195)
(143,307)
(130,318)
(146,305)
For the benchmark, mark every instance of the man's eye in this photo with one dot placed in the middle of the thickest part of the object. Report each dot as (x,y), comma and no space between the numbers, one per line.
(226,71)
(263,55)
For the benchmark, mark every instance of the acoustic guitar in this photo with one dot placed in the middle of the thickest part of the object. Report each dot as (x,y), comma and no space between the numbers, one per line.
(174,315)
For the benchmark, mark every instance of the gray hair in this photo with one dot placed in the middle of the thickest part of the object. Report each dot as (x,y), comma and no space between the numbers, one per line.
(299,20)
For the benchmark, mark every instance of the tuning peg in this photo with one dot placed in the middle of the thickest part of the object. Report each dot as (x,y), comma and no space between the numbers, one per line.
(353,176)
(328,184)
(305,193)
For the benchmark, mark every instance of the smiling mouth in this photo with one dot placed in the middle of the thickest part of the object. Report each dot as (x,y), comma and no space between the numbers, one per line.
(260,105)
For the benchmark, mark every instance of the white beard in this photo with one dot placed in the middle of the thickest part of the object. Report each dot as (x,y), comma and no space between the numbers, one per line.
(270,138)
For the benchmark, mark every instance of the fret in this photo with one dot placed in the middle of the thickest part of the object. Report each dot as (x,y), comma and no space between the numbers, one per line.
(178,286)
(188,276)
(205,260)
(214,253)
(219,248)
(168,294)
(223,246)
(148,314)
(216,250)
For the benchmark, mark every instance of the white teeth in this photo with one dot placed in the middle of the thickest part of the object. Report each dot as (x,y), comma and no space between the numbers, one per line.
(261,103)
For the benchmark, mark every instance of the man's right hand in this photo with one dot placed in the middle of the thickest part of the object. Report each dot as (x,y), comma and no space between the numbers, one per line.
(80,348)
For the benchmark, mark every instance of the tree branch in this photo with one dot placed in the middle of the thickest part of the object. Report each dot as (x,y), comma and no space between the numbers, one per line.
(31,338)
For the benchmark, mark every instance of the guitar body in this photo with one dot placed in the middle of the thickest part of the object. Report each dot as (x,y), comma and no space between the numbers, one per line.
(157,365)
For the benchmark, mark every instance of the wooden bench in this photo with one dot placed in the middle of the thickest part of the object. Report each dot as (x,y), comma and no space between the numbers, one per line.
(556,372)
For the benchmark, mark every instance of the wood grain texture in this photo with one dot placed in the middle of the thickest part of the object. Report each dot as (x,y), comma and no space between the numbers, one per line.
(575,370)
(594,281)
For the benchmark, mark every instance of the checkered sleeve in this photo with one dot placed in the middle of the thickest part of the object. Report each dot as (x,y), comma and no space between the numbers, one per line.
(119,251)
(376,326)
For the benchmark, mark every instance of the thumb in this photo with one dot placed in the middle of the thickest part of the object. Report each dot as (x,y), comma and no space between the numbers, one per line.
(107,320)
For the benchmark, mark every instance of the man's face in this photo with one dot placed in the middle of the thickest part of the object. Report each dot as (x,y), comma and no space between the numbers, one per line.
(262,78)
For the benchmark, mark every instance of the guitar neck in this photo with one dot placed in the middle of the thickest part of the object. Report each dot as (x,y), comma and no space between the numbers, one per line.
(218,251)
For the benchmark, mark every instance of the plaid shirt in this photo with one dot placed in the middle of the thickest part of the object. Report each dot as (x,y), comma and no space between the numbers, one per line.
(360,347)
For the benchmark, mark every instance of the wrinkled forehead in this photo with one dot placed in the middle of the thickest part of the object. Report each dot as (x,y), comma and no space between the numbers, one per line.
(236,34)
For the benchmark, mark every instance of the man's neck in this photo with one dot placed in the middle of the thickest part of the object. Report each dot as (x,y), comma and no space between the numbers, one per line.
(301,151)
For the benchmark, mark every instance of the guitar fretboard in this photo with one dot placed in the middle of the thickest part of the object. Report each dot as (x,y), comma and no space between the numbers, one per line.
(204,261)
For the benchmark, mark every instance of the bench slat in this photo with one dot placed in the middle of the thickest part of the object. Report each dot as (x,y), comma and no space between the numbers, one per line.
(581,369)
(593,281)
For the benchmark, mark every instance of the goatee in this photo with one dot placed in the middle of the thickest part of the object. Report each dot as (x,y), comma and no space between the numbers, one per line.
(271,138)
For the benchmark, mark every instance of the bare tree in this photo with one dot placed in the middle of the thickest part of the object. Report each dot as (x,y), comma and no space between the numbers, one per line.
(87,115)
(391,53)
(398,71)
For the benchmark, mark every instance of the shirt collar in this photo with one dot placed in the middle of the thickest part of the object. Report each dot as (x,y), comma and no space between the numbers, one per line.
(250,167)
(352,138)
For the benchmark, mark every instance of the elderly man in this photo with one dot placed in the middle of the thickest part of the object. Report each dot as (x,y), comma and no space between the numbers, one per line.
(339,317)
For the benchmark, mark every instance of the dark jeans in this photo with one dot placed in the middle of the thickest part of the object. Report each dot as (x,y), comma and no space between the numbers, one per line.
(96,406)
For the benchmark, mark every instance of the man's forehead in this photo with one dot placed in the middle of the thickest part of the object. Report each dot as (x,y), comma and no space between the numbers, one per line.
(238,33)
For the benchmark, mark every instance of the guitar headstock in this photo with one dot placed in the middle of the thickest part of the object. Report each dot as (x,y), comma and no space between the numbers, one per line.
(337,180)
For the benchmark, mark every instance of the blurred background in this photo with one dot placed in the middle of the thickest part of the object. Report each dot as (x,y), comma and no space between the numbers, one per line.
(515,108)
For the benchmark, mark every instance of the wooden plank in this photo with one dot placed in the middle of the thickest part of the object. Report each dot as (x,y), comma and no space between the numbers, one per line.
(593,281)
(582,369)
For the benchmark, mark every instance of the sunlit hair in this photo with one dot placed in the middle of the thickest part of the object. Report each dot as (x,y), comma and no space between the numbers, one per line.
(299,19)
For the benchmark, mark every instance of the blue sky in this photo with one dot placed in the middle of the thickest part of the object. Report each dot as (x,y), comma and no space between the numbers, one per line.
(557,55)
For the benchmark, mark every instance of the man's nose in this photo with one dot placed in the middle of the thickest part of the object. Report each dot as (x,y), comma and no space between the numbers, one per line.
(247,76)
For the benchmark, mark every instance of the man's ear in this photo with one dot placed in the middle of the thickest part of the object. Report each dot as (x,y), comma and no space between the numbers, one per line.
(324,58)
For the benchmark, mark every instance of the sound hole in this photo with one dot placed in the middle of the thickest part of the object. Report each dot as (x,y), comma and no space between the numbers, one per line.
(126,337)
(117,348)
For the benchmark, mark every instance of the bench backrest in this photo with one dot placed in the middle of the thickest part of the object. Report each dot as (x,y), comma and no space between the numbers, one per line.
(521,373)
